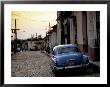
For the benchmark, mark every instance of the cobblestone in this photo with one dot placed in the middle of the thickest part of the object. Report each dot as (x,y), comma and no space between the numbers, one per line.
(37,64)
(30,64)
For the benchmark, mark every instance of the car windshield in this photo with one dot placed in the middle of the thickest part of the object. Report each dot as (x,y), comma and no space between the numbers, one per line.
(68,50)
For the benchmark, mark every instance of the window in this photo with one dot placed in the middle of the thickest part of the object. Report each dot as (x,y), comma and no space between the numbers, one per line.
(68,50)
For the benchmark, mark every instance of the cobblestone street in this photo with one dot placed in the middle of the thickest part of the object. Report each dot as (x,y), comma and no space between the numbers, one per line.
(37,64)
(30,64)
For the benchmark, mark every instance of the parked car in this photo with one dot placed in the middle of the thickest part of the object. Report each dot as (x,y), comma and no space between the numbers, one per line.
(68,57)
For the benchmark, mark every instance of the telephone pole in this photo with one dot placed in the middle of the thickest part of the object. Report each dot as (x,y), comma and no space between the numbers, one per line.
(15,37)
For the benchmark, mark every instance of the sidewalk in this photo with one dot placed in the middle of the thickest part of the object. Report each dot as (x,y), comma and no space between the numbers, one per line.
(95,65)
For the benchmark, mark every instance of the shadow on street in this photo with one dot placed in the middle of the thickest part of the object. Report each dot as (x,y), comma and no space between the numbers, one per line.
(77,73)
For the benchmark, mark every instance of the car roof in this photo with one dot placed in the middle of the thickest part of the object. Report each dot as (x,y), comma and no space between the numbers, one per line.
(65,45)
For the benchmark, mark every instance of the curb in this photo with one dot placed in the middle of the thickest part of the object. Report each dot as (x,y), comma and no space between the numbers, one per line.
(95,66)
(47,54)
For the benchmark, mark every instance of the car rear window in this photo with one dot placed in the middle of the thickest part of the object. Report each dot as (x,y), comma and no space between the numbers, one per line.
(68,50)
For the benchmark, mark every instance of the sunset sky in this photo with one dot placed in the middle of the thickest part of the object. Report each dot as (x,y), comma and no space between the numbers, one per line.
(32,22)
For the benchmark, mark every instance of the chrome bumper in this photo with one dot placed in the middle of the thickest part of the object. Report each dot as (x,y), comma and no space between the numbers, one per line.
(71,67)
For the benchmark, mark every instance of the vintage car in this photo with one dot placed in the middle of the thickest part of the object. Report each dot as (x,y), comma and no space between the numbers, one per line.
(67,57)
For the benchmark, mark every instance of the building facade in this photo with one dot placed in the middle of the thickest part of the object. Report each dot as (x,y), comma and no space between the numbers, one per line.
(51,38)
(34,44)
(81,28)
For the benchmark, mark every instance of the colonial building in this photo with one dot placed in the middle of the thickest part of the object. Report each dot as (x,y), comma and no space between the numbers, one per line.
(31,44)
(36,43)
(51,38)
(81,28)
(40,43)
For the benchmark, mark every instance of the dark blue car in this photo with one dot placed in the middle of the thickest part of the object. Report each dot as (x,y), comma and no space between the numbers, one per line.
(67,57)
